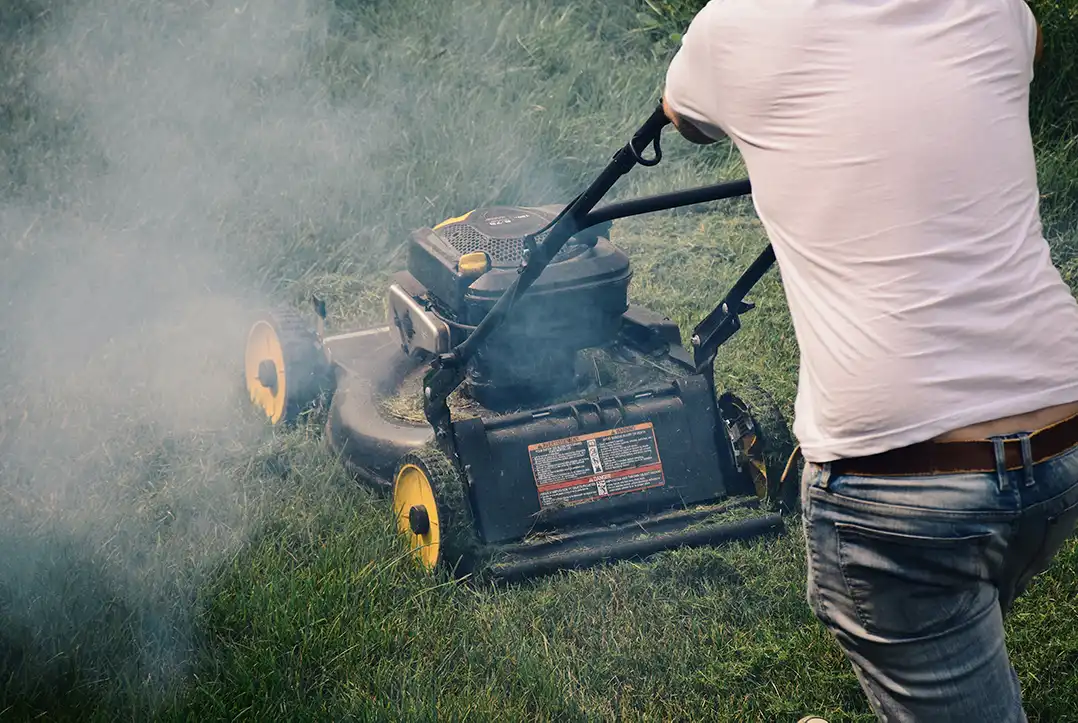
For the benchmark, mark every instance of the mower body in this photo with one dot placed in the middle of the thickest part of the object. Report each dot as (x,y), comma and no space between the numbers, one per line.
(518,408)
(653,448)
(548,448)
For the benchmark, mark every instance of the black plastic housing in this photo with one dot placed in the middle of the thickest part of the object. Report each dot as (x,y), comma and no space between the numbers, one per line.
(576,304)
(433,253)
(502,473)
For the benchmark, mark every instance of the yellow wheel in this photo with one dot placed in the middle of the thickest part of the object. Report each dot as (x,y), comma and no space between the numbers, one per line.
(285,369)
(432,511)
(267,383)
(762,444)
(417,514)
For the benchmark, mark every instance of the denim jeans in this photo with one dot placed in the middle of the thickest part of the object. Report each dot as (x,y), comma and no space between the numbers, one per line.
(914,576)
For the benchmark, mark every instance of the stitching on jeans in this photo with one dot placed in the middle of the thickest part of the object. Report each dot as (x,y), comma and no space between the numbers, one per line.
(876,692)
(841,501)
(934,472)
(842,562)
(980,541)
(908,539)
(811,526)
(821,601)
(1022,580)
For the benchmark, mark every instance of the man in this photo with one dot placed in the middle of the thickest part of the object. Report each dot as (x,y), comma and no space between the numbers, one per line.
(892,167)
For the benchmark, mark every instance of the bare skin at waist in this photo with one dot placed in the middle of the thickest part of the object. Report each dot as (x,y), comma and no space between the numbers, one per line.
(1027,422)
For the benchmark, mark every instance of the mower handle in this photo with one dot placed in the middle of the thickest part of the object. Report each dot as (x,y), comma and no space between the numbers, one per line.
(724,320)
(665,202)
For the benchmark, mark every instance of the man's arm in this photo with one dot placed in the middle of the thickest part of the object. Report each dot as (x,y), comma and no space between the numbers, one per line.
(685,127)
(690,80)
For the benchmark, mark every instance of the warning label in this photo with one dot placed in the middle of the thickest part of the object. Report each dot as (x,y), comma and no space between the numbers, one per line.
(592,466)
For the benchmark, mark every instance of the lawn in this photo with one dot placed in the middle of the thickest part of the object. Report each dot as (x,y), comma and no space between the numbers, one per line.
(167,168)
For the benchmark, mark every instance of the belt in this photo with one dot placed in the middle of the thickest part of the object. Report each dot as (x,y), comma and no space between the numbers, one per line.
(956,457)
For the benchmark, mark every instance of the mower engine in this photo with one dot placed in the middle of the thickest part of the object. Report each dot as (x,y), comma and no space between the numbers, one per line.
(460,268)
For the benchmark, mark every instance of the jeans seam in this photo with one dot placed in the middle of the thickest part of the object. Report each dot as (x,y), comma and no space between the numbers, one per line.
(838,500)
(874,692)
(823,608)
(842,562)
(1050,524)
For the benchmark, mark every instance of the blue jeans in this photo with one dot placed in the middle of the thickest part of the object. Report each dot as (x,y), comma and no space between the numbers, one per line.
(914,576)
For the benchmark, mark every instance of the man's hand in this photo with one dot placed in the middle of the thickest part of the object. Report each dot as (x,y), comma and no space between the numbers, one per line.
(686,128)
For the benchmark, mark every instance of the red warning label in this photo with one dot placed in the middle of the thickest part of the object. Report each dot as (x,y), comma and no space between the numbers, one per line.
(581,469)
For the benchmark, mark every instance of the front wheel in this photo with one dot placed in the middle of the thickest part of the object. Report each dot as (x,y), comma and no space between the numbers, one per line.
(433,514)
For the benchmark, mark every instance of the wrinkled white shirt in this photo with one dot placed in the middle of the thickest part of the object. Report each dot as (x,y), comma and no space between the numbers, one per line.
(892,166)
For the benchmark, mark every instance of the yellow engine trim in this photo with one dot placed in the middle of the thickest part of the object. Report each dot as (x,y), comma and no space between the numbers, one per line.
(411,488)
(262,344)
(455,219)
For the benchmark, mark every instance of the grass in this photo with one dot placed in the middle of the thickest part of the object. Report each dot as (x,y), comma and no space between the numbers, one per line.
(167,557)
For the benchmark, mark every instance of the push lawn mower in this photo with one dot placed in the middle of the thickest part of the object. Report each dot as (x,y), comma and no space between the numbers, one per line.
(523,416)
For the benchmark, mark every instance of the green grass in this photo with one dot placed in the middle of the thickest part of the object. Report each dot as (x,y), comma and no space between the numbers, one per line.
(167,557)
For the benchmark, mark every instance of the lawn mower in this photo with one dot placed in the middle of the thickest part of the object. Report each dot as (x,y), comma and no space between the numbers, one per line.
(520,413)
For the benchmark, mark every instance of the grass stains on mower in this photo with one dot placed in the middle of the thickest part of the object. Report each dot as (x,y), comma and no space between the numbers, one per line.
(522,433)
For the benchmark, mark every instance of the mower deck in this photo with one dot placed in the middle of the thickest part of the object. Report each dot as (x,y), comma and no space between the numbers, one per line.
(632,539)
(655,398)
(370,366)
(376,415)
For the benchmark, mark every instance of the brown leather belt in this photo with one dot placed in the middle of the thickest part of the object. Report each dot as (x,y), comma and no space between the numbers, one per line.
(926,458)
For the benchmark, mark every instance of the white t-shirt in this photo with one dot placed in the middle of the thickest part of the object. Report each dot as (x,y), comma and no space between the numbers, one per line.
(892,166)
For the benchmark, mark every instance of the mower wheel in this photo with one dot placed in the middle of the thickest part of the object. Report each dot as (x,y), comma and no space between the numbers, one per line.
(433,514)
(763,444)
(286,369)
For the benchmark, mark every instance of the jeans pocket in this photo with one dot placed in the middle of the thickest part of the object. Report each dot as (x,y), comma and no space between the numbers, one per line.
(904,584)
(1061,527)
(1057,530)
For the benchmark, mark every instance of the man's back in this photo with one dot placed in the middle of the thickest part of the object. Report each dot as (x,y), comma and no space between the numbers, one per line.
(889,148)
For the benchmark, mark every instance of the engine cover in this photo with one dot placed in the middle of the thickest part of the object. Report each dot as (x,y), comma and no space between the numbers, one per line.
(500,232)
(576,303)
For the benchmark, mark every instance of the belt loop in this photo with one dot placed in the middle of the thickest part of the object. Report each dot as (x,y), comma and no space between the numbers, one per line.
(825,475)
(1001,462)
(1027,458)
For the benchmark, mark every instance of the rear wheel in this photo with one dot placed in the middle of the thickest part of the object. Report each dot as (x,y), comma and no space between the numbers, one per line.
(285,367)
(762,445)
(433,514)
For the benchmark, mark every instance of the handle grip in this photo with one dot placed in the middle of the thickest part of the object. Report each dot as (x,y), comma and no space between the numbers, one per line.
(648,134)
(652,128)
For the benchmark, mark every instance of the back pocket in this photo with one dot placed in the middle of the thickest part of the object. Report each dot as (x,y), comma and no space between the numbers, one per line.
(903,585)
(1059,528)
